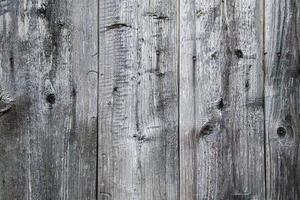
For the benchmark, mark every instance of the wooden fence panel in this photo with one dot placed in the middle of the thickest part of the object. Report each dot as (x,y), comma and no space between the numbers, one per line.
(149,100)
(48,138)
(282,99)
(221,100)
(138,130)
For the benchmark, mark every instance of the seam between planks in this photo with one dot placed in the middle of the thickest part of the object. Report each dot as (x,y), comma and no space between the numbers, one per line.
(98,87)
(264,91)
(178,93)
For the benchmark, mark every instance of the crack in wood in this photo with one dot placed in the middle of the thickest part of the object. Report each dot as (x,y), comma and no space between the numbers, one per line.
(117,26)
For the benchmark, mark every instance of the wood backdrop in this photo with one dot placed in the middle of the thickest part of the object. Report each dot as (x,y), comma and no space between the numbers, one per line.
(149,100)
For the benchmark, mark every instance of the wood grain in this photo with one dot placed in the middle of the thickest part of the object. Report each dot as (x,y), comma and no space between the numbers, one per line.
(149,100)
(48,139)
(221,100)
(138,118)
(282,99)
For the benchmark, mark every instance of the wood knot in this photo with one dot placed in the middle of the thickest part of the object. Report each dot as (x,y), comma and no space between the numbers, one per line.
(49,92)
(220,104)
(281,131)
(51,98)
(214,55)
(247,85)
(238,53)
(206,129)
(115,89)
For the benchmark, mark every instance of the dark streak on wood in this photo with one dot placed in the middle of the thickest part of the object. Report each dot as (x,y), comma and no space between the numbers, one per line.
(157,16)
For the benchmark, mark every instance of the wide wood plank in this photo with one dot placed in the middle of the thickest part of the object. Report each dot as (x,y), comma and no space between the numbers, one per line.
(282,98)
(221,100)
(138,157)
(48,138)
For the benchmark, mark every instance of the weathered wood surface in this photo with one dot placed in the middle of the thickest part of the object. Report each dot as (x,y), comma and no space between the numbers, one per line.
(149,100)
(138,130)
(221,100)
(48,138)
(282,98)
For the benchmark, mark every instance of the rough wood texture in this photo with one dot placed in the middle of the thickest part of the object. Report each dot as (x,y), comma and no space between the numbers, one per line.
(138,155)
(282,98)
(221,100)
(48,139)
(149,100)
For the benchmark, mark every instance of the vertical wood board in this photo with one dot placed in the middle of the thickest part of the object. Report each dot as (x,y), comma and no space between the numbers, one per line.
(282,99)
(48,138)
(138,150)
(221,100)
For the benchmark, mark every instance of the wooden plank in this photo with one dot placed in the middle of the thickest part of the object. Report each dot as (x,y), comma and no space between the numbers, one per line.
(138,130)
(282,99)
(48,139)
(221,100)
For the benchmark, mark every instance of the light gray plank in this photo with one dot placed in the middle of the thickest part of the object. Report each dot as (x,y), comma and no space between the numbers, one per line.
(48,139)
(138,157)
(221,100)
(282,99)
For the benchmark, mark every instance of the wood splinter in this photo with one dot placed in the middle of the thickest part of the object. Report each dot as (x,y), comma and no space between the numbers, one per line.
(6,101)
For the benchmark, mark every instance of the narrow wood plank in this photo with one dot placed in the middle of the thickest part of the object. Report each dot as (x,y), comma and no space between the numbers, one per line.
(138,130)
(282,98)
(48,139)
(221,100)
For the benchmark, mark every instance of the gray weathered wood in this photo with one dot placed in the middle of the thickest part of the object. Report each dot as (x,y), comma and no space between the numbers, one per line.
(138,155)
(221,100)
(282,98)
(48,138)
(90,106)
